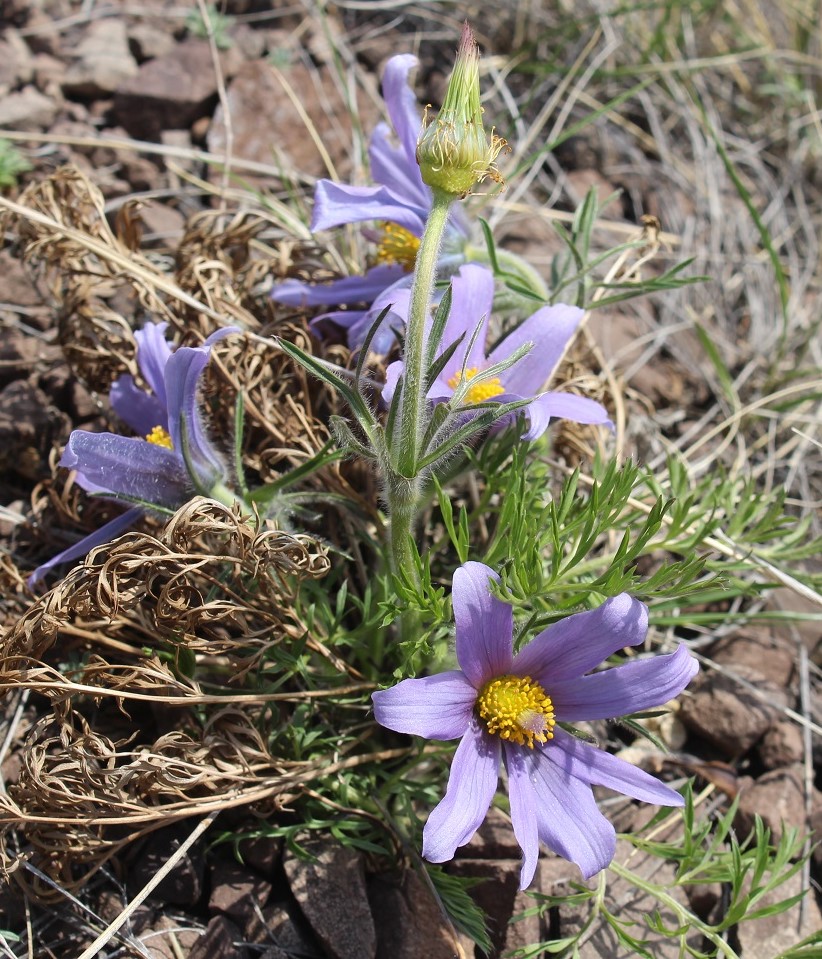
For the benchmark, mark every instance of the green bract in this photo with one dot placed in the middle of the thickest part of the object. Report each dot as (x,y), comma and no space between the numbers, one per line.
(454,152)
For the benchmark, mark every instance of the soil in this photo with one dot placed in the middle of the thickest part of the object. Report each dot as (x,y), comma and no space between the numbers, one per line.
(82,80)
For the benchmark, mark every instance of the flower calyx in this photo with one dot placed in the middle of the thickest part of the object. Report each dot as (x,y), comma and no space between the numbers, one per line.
(454,152)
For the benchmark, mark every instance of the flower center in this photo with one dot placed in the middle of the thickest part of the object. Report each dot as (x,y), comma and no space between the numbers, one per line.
(159,437)
(517,709)
(398,245)
(486,390)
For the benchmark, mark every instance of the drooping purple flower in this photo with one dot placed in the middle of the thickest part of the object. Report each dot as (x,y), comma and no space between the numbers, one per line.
(507,707)
(150,468)
(549,330)
(399,205)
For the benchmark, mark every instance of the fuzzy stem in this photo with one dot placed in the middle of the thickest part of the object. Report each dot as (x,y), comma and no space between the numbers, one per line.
(403,482)
(403,505)
(414,406)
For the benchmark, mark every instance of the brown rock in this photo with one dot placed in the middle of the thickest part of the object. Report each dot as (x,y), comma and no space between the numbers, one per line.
(102,62)
(18,355)
(726,714)
(733,708)
(332,895)
(250,42)
(171,91)
(264,853)
(27,109)
(237,891)
(15,61)
(777,797)
(221,940)
(29,426)
(407,918)
(162,223)
(493,840)
(163,937)
(268,127)
(41,35)
(283,924)
(84,405)
(109,903)
(16,286)
(773,935)
(48,73)
(495,894)
(781,745)
(179,140)
(149,42)
(760,651)
(635,908)
(183,886)
(809,631)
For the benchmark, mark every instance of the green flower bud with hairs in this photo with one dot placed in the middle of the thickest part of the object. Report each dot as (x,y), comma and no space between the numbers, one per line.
(454,152)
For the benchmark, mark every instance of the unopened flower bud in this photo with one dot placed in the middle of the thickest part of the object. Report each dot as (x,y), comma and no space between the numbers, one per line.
(454,152)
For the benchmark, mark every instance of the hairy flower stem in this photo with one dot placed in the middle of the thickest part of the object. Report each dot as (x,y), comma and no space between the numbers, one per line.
(403,480)
(414,407)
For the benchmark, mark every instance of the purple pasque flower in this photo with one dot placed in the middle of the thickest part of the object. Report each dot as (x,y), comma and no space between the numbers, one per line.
(549,330)
(399,205)
(150,468)
(507,707)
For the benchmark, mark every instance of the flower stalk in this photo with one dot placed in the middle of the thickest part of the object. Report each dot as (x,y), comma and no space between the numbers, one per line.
(413,407)
(402,475)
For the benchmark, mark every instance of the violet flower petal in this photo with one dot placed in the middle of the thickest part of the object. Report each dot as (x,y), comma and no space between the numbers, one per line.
(398,298)
(626,689)
(472,290)
(390,167)
(435,707)
(140,410)
(576,644)
(106,532)
(569,821)
(153,352)
(564,406)
(126,466)
(472,783)
(393,373)
(523,799)
(401,103)
(485,625)
(338,203)
(183,372)
(593,765)
(348,289)
(549,330)
(218,335)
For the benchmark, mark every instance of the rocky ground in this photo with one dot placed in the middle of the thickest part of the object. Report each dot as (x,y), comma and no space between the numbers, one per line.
(79,83)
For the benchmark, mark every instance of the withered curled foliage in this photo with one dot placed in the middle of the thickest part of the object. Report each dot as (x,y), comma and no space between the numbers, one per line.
(148,638)
(164,673)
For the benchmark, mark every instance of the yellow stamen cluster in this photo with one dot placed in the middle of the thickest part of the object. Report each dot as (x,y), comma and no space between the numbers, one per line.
(159,437)
(398,245)
(517,709)
(486,390)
